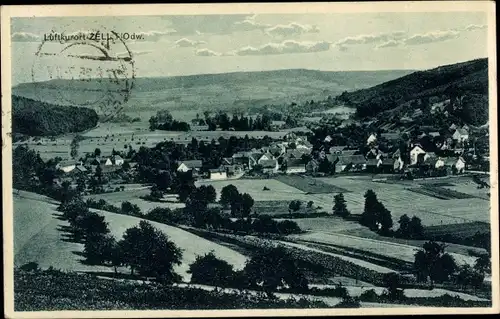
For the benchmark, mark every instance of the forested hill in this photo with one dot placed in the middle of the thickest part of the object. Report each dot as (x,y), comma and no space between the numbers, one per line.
(467,79)
(35,118)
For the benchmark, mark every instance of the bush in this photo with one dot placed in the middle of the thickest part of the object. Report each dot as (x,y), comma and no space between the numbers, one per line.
(210,270)
(31,266)
(369,296)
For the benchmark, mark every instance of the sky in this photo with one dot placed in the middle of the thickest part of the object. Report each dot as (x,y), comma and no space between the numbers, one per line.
(196,44)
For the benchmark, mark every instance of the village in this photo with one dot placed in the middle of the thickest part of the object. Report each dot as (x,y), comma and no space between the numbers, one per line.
(294,151)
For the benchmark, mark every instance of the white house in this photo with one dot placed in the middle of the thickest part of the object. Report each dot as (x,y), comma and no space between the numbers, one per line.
(371,139)
(294,166)
(414,153)
(398,164)
(217,174)
(461,135)
(265,157)
(460,165)
(67,166)
(186,166)
(328,139)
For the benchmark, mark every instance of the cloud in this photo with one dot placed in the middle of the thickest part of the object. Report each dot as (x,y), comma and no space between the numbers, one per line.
(473,27)
(185,43)
(249,24)
(285,47)
(24,37)
(371,38)
(206,52)
(155,35)
(291,29)
(388,44)
(430,37)
(134,53)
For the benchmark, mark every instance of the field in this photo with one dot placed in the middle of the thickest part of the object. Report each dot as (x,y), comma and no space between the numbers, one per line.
(310,185)
(118,136)
(133,196)
(37,238)
(399,200)
(393,250)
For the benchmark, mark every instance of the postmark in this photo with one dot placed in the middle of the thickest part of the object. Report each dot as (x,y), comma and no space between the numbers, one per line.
(98,63)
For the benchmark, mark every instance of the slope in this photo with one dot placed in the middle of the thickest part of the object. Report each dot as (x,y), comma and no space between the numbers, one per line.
(38,237)
(230,91)
(461,79)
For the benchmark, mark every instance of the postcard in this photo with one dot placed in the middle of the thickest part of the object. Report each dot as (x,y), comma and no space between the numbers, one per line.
(227,160)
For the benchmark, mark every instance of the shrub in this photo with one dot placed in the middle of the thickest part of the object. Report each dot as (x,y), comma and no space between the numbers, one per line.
(31,266)
(210,270)
(369,296)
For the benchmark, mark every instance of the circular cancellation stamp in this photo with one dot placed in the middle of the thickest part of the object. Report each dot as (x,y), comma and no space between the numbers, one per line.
(93,68)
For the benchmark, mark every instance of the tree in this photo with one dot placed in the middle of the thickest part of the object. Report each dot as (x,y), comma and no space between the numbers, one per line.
(74,148)
(90,224)
(467,276)
(228,194)
(210,270)
(404,226)
(432,262)
(483,264)
(97,152)
(80,184)
(150,252)
(273,268)
(156,193)
(208,192)
(99,248)
(246,204)
(383,219)
(340,208)
(294,205)
(392,282)
(130,209)
(416,228)
(368,217)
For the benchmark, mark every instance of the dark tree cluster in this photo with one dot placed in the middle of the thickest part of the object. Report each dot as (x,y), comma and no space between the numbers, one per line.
(375,216)
(410,228)
(238,123)
(163,120)
(267,271)
(35,118)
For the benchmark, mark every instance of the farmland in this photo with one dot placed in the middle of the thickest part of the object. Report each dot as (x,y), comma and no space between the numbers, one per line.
(133,195)
(38,237)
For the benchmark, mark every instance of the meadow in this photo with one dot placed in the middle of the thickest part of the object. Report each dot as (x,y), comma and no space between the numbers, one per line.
(39,236)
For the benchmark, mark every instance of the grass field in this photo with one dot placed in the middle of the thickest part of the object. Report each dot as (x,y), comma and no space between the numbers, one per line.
(310,185)
(133,196)
(394,250)
(432,211)
(37,238)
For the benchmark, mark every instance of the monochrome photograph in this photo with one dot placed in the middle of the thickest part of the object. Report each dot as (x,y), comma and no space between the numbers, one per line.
(257,159)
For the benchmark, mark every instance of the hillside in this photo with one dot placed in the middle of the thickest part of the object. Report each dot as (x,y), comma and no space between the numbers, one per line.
(39,236)
(469,79)
(35,118)
(230,91)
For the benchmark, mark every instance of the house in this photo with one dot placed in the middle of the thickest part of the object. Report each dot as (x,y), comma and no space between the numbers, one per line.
(312,166)
(269,166)
(294,165)
(277,125)
(67,166)
(385,165)
(277,149)
(350,163)
(350,152)
(80,169)
(391,137)
(186,166)
(434,134)
(199,127)
(232,170)
(293,153)
(417,113)
(398,164)
(396,154)
(109,169)
(217,173)
(304,146)
(371,139)
(453,127)
(429,155)
(114,160)
(371,165)
(265,157)
(460,135)
(415,151)
(452,164)
(337,150)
